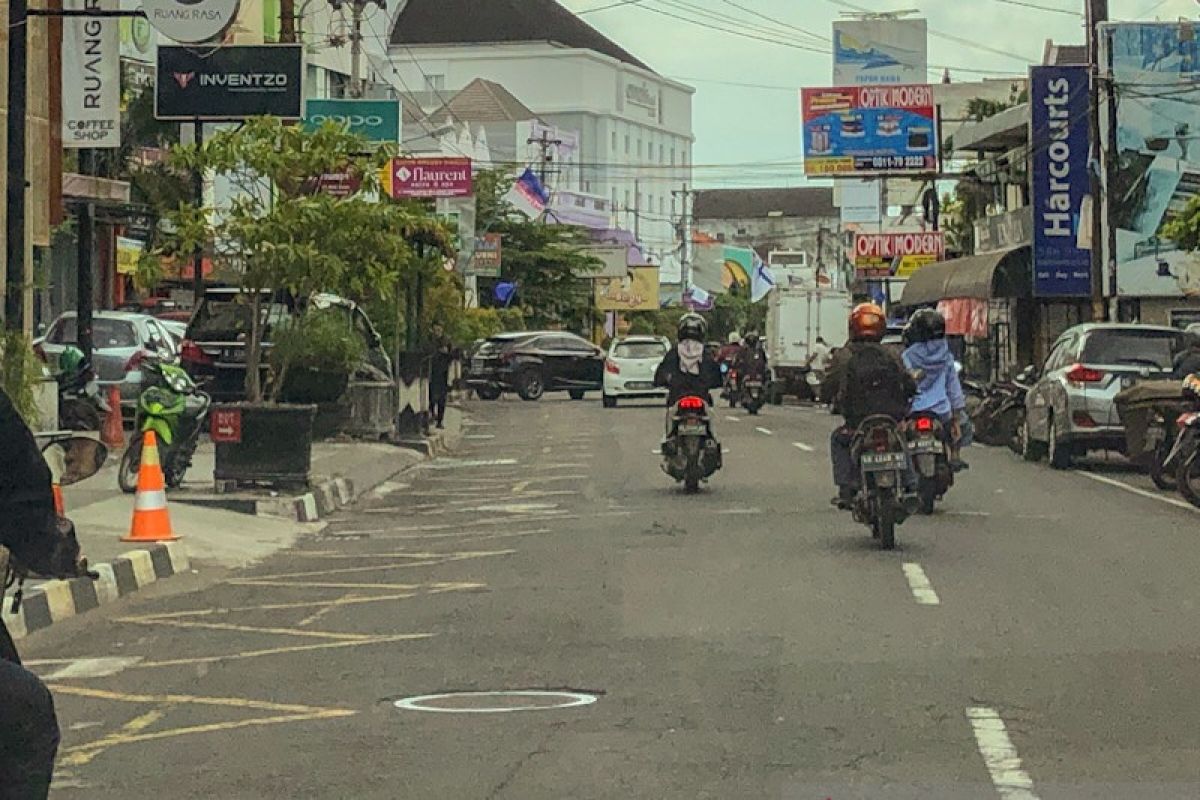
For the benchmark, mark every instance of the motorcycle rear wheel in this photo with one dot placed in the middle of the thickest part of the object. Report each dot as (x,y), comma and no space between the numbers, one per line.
(1187,476)
(131,463)
(929,492)
(884,524)
(1162,478)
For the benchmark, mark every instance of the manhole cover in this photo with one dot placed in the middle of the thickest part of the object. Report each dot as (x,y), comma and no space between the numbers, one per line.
(495,702)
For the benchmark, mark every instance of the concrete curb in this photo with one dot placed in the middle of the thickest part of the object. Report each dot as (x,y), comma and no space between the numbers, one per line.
(54,601)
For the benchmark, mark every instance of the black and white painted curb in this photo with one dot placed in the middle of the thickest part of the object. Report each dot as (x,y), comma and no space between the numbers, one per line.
(54,601)
(325,498)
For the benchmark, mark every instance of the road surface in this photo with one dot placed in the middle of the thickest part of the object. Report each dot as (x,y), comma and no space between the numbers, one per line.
(1036,638)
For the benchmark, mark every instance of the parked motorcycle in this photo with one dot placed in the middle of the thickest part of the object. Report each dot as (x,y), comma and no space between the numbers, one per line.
(930,452)
(879,449)
(81,406)
(999,417)
(174,408)
(752,394)
(690,452)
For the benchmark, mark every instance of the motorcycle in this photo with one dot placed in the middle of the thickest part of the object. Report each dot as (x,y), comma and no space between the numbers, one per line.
(729,386)
(879,449)
(930,454)
(174,408)
(1000,415)
(81,406)
(752,394)
(690,452)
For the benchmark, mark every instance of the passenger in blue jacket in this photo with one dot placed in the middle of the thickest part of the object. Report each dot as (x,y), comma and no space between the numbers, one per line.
(939,391)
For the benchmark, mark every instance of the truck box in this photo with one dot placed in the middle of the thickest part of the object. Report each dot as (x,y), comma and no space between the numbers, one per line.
(795,318)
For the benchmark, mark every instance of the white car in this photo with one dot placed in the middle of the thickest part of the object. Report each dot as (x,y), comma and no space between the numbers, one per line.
(629,368)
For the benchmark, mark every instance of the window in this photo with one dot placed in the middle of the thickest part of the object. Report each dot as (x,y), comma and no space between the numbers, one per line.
(435,83)
(639,148)
(640,350)
(1138,348)
(741,231)
(565,343)
(662,204)
(627,144)
(614,199)
(626,199)
(662,153)
(672,156)
(720,237)
(614,141)
(106,333)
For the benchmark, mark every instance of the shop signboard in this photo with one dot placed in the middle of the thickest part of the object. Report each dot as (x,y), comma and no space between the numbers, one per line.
(229,83)
(191,21)
(879,51)
(637,290)
(869,130)
(430,177)
(488,256)
(377,121)
(896,255)
(91,77)
(129,253)
(1059,180)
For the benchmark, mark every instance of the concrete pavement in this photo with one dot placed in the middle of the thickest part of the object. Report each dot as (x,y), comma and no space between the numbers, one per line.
(1031,640)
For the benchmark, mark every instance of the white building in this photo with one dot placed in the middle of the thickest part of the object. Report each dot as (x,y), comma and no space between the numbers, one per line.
(634,125)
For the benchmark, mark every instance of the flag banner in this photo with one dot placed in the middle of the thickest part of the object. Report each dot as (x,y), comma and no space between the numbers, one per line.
(528,195)
(762,281)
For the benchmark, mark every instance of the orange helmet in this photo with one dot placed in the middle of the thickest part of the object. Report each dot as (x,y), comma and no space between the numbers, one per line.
(867,323)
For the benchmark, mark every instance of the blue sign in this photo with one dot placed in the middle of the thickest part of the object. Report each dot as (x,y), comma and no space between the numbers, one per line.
(869,130)
(377,121)
(1058,141)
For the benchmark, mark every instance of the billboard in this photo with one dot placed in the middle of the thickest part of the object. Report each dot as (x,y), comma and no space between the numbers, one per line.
(229,83)
(1059,180)
(1158,157)
(430,177)
(869,130)
(637,290)
(879,51)
(377,121)
(91,77)
(896,255)
(488,256)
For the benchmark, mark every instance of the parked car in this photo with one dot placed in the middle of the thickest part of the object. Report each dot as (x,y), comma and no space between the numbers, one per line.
(177,329)
(214,345)
(629,368)
(120,340)
(1070,408)
(532,363)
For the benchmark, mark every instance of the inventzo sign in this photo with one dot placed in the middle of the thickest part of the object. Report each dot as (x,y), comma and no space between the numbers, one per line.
(377,121)
(229,83)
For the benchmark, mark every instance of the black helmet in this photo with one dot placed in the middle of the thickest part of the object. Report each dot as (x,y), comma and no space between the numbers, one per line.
(692,326)
(751,338)
(925,325)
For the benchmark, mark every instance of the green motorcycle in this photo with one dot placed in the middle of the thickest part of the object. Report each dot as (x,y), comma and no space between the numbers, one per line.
(174,408)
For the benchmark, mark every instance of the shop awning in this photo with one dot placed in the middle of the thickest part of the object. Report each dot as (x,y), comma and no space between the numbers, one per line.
(1005,273)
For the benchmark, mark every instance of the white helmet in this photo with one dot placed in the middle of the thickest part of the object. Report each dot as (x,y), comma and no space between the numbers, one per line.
(734,338)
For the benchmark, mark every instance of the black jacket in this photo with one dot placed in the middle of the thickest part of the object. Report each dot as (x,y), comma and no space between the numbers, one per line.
(868,379)
(683,384)
(1187,363)
(751,361)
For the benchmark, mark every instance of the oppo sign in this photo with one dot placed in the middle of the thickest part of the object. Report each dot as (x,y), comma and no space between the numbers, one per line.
(377,121)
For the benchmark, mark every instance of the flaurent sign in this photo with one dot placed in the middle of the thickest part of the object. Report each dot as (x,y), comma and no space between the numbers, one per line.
(1058,141)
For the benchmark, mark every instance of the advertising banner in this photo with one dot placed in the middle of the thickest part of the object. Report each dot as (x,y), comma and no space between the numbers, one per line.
(868,130)
(859,201)
(875,51)
(489,256)
(1157,170)
(91,77)
(377,121)
(637,290)
(1059,180)
(229,83)
(896,255)
(129,252)
(430,177)
(191,21)
(614,257)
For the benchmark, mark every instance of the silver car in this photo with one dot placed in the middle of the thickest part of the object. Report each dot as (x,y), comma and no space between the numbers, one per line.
(120,340)
(1069,408)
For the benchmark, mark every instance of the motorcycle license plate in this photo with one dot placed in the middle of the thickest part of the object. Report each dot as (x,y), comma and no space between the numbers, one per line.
(882,461)
(753,385)
(927,446)
(639,385)
(692,429)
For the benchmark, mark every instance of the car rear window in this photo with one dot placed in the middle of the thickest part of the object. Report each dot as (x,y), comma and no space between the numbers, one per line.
(106,333)
(640,350)
(230,318)
(1134,348)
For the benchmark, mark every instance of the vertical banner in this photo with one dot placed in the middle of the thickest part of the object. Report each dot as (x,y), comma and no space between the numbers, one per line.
(1058,139)
(91,77)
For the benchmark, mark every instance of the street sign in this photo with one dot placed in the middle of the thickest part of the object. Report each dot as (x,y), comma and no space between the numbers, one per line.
(229,83)
(226,426)
(899,255)
(377,121)
(869,130)
(488,257)
(430,177)
(191,21)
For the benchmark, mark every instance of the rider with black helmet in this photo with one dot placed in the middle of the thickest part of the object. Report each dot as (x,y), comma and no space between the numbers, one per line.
(928,356)
(687,370)
(1187,360)
(751,362)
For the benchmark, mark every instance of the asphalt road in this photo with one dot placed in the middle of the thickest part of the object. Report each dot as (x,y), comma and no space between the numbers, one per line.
(1035,638)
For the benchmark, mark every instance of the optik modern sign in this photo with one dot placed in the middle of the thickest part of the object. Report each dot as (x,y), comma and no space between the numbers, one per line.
(229,83)
(1058,140)
(377,121)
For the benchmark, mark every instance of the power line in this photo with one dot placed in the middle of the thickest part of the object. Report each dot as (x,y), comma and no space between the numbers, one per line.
(607,7)
(707,26)
(788,25)
(1048,9)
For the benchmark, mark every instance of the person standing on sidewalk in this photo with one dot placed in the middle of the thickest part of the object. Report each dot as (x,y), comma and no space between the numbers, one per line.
(442,357)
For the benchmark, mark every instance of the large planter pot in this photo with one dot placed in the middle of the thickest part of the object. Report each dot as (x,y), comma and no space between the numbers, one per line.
(313,386)
(263,444)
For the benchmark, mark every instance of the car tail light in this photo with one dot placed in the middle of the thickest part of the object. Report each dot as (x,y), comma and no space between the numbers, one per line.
(191,352)
(1081,374)
(924,425)
(611,367)
(1083,419)
(135,361)
(691,404)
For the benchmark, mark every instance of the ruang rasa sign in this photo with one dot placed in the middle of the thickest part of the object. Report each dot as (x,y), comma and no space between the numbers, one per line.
(869,130)
(896,255)
(1058,137)
(429,177)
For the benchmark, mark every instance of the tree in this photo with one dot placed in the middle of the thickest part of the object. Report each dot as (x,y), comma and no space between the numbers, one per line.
(280,232)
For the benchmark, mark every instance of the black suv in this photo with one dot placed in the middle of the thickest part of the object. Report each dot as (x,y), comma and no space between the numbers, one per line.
(532,363)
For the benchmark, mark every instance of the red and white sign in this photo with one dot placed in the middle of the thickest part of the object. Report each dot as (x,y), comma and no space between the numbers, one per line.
(883,255)
(227,426)
(431,177)
(965,316)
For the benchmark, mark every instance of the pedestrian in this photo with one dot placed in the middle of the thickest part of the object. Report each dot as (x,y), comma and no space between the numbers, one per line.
(441,357)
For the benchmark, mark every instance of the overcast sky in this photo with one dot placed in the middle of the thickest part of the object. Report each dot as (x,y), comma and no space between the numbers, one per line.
(737,124)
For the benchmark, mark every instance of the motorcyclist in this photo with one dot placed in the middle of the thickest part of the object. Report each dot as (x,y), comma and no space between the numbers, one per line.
(687,370)
(939,391)
(866,380)
(42,542)
(751,362)
(729,351)
(1187,361)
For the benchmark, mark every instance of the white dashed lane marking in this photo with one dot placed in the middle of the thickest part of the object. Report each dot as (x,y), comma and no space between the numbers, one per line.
(1012,782)
(808,448)
(922,589)
(734,419)
(764,431)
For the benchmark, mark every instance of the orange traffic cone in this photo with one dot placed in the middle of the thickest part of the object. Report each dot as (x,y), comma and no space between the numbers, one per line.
(113,431)
(60,508)
(151,522)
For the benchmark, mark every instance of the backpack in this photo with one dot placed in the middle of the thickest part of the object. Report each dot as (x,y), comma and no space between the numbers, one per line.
(873,384)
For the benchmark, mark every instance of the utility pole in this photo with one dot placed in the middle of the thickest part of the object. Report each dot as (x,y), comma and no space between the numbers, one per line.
(357,9)
(14,246)
(1097,12)
(685,232)
(637,211)
(1110,180)
(547,158)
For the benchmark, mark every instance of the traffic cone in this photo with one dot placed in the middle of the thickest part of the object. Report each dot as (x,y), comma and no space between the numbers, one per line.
(113,430)
(151,521)
(60,508)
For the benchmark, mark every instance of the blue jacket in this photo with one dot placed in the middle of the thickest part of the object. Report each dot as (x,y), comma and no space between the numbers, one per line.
(938,389)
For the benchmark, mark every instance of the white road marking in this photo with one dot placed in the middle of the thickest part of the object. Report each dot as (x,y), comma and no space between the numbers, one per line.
(918,581)
(92,667)
(808,448)
(736,511)
(1003,763)
(734,419)
(967,513)
(764,431)
(458,464)
(389,487)
(656,452)
(1171,501)
(480,436)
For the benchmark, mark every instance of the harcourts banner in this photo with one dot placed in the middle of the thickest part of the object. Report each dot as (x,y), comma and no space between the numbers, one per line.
(377,121)
(867,130)
(877,51)
(1058,136)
